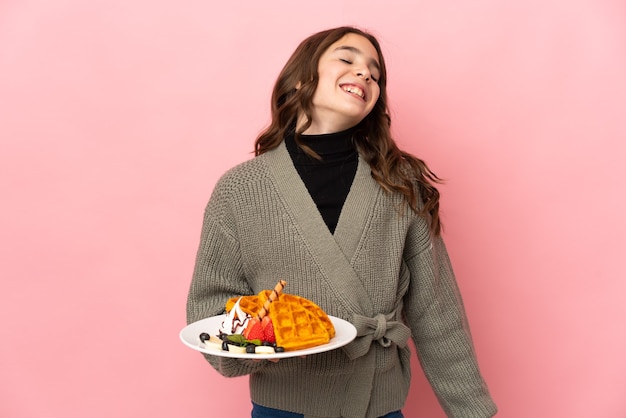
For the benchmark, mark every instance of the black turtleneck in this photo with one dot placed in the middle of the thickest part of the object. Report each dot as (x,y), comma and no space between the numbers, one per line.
(328,180)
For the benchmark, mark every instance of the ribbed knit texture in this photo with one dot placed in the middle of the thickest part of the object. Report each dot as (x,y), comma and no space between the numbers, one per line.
(261,225)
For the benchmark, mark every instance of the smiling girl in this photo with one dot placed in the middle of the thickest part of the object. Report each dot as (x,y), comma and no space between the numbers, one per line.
(330,204)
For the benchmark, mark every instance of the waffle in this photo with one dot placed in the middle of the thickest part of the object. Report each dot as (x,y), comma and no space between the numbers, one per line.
(299,323)
(249,304)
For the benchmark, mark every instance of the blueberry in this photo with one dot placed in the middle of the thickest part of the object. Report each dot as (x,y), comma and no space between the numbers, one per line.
(250,349)
(224,346)
(204,337)
(279,349)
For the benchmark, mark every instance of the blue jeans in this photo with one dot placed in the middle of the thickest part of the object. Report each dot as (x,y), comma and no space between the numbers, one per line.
(259,411)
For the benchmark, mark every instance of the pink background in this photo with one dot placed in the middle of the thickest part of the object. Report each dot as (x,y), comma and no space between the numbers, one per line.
(117,117)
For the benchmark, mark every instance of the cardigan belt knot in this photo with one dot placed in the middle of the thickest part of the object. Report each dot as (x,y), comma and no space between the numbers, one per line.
(381,328)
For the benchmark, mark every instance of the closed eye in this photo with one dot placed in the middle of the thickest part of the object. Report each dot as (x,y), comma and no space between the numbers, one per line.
(347,61)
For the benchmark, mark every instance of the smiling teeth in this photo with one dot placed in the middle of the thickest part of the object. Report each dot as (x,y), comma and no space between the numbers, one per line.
(354,90)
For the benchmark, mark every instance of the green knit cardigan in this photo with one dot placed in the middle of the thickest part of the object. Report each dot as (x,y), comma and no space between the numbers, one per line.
(381,270)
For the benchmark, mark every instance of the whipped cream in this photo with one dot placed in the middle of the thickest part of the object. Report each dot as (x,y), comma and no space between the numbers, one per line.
(236,321)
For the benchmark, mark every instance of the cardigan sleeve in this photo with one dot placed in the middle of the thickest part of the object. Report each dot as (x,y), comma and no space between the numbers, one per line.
(218,275)
(436,315)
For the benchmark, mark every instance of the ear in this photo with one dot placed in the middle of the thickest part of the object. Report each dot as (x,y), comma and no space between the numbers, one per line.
(298,85)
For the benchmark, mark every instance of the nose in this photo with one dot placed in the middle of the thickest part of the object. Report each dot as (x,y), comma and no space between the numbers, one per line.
(363,75)
(362,70)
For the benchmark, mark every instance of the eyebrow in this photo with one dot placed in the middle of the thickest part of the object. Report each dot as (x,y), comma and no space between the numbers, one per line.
(358,51)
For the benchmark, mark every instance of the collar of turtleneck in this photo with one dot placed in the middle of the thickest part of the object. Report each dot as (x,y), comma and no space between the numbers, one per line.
(328,146)
(328,180)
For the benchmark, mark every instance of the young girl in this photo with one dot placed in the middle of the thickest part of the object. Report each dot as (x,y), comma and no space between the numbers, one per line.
(332,206)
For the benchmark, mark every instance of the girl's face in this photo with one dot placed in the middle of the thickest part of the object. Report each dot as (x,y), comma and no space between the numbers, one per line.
(347,89)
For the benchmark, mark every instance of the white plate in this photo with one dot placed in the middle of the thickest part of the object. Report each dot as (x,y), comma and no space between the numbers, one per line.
(345,332)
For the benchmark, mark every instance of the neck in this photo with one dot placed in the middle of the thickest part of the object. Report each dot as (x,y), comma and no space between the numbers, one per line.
(326,127)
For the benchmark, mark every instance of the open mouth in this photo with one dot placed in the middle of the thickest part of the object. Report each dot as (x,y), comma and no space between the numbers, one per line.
(352,89)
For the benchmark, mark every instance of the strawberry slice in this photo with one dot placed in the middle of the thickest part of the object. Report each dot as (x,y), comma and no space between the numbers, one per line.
(253,330)
(268,330)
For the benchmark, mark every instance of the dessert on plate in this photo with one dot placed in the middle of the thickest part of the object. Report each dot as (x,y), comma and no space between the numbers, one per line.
(271,322)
